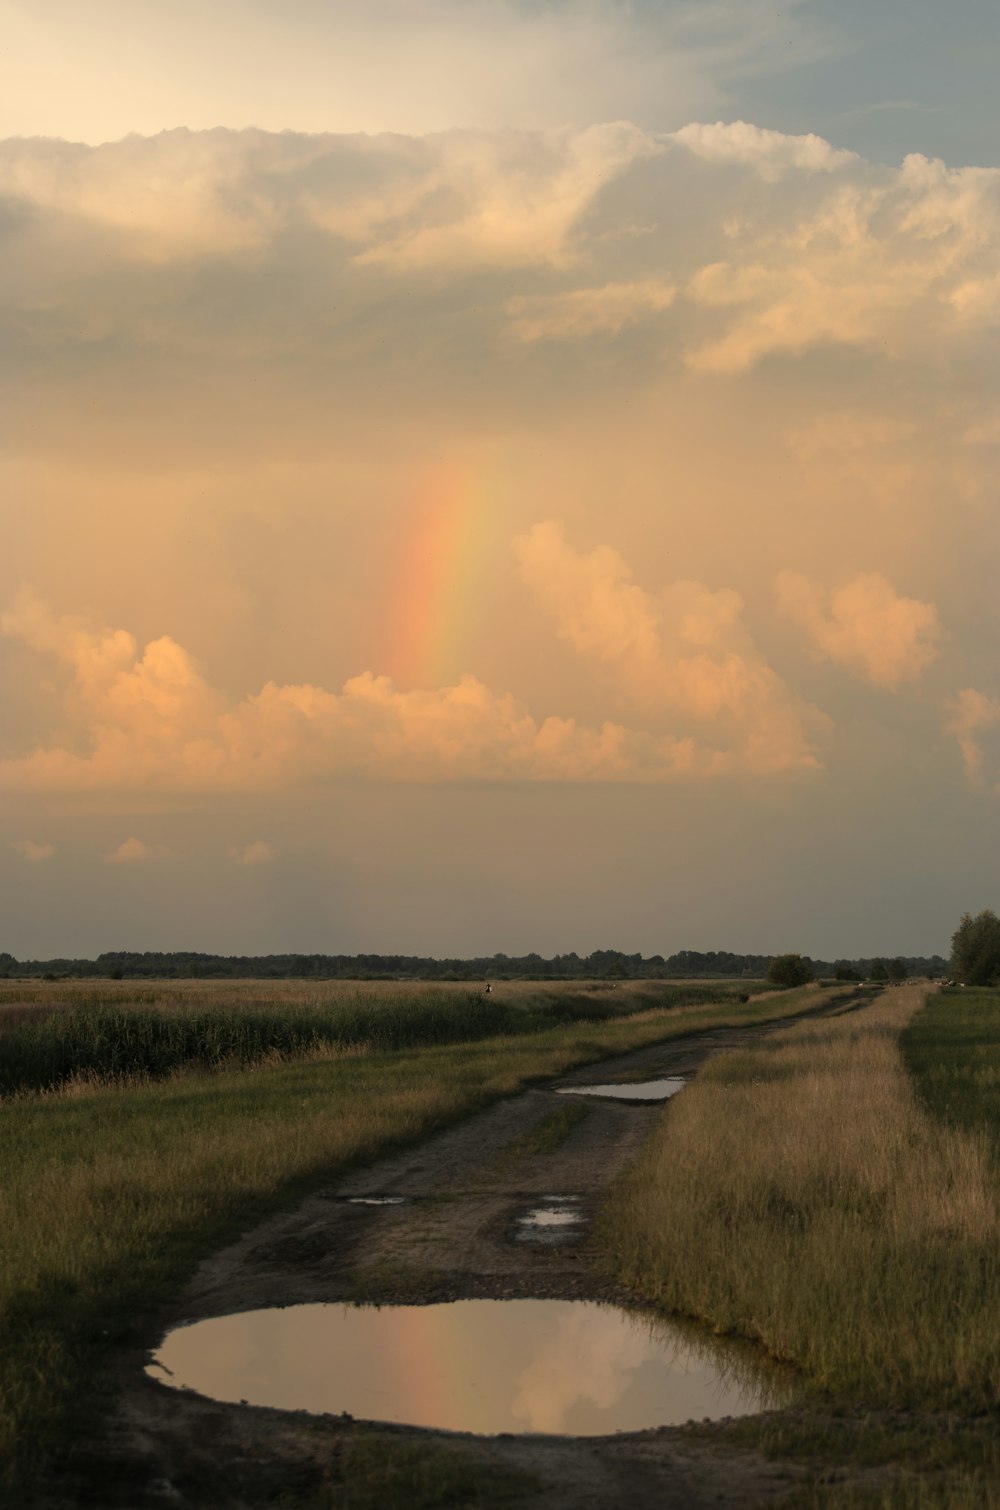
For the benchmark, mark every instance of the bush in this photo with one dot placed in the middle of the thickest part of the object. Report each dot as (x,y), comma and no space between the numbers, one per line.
(789,970)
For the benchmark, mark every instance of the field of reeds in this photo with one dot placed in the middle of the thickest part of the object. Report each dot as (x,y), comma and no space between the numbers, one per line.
(834,1193)
(112,1187)
(52,1035)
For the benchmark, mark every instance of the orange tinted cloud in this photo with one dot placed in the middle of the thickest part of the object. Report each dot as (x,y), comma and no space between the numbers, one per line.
(972,714)
(880,248)
(147,721)
(865,625)
(587,311)
(135,852)
(34,851)
(686,655)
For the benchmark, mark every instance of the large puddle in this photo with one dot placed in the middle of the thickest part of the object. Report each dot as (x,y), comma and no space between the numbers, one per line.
(485,1366)
(622,1090)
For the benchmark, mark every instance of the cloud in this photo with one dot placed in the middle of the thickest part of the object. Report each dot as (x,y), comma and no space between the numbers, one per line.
(685,655)
(864,625)
(798,245)
(33,851)
(147,721)
(770,153)
(973,714)
(581,312)
(511,199)
(459,198)
(888,258)
(134,852)
(259,852)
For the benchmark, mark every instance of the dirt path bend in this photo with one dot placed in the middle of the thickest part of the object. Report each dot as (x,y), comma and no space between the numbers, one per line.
(455,1235)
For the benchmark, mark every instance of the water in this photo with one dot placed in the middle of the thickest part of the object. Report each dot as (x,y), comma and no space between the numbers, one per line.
(376,1200)
(486,1366)
(555,1217)
(622,1090)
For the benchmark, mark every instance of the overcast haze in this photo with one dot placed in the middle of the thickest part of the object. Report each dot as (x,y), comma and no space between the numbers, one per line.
(496,476)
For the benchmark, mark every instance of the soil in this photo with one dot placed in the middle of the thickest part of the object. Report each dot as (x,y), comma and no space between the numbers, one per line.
(453,1239)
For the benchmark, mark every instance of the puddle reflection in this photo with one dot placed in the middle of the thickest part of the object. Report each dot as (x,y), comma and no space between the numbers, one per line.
(636,1090)
(544,1216)
(473,1365)
(555,1218)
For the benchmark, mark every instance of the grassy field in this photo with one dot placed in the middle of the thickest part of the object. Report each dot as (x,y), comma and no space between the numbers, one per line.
(83,1033)
(834,1193)
(110,1192)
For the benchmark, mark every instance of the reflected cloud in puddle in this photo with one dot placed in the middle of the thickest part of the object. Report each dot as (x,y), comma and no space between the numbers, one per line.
(623,1090)
(376,1200)
(555,1217)
(486,1366)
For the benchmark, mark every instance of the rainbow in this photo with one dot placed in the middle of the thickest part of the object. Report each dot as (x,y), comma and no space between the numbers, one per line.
(435,593)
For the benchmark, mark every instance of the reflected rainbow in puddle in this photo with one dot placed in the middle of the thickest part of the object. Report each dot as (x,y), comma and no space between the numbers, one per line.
(568,1367)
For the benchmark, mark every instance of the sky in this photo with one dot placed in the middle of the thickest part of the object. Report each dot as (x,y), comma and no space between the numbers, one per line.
(485,476)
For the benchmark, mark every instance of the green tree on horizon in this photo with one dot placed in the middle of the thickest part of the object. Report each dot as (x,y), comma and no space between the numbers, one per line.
(790,970)
(975,949)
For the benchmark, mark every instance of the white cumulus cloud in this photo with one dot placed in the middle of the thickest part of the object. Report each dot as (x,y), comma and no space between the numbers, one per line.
(770,153)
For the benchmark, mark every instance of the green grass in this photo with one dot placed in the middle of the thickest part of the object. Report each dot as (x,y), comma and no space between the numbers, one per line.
(952,1050)
(110,1194)
(549,1134)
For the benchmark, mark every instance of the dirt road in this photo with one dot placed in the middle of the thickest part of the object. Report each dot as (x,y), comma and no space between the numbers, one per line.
(455,1235)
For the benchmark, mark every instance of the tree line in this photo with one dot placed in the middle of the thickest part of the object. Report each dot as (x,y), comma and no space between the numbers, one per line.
(601,964)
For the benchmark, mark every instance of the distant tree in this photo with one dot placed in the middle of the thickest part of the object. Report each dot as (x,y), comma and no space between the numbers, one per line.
(975,949)
(847,972)
(898,969)
(789,970)
(880,969)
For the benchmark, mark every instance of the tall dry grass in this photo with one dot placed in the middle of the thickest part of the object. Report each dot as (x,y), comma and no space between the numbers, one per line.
(798,1193)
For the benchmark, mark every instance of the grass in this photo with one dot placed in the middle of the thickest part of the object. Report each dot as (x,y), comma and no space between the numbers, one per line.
(117,1033)
(381,1473)
(110,1193)
(952,1050)
(834,1193)
(800,1194)
(549,1134)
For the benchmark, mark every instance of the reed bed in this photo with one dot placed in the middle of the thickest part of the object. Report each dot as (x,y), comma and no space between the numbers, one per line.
(801,1194)
(134,1033)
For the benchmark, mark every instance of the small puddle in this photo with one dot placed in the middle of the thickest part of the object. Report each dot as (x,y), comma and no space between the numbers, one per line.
(376,1200)
(486,1366)
(623,1090)
(552,1219)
